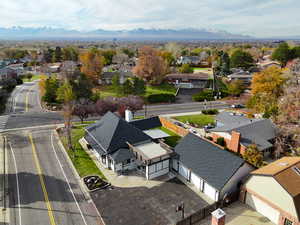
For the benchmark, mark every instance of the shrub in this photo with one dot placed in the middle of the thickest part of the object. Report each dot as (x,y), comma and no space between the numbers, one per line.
(210,112)
(207,95)
(157,98)
(209,138)
(19,81)
(221,141)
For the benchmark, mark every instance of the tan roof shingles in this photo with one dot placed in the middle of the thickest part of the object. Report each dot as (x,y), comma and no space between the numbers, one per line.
(278,166)
(283,172)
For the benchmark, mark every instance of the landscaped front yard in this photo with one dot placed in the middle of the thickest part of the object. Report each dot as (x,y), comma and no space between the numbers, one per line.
(199,120)
(81,160)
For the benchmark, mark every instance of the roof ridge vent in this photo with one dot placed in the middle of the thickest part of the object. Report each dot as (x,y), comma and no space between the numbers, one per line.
(283,164)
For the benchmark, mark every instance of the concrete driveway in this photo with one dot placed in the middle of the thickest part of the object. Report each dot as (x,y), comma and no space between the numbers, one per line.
(146,205)
(240,214)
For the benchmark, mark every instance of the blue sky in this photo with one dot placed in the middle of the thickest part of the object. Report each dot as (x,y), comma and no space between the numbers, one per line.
(261,18)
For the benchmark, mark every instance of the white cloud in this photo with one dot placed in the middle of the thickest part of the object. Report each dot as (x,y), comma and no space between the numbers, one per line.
(255,17)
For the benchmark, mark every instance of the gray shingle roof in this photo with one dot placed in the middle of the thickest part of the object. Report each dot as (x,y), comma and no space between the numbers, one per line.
(122,155)
(112,132)
(213,164)
(231,121)
(147,124)
(258,132)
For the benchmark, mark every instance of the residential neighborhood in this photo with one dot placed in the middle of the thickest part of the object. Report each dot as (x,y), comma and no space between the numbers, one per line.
(149,113)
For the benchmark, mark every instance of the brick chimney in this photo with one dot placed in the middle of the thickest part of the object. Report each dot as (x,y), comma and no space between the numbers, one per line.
(218,217)
(235,141)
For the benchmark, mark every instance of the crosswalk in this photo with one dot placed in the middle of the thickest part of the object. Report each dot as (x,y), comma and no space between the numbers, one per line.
(3,121)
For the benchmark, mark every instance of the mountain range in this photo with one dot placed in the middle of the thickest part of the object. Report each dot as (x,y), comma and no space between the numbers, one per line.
(27,33)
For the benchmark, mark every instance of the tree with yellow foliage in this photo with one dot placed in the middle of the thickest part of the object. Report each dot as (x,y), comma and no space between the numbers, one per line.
(92,64)
(267,87)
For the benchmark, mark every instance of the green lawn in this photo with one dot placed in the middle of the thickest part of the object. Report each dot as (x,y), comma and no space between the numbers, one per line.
(82,162)
(161,89)
(107,91)
(34,77)
(199,120)
(173,139)
(203,70)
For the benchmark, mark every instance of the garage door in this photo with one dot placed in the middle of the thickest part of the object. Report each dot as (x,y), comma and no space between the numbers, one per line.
(195,180)
(183,171)
(262,208)
(210,191)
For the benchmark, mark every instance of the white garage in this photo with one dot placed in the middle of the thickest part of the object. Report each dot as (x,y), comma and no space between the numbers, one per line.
(261,207)
(195,180)
(210,192)
(183,171)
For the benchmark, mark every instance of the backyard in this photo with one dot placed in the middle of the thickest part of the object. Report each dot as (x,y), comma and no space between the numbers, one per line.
(81,160)
(199,120)
(173,140)
(33,78)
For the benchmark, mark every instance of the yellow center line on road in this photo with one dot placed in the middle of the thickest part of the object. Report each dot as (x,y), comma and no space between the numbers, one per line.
(39,169)
(27,97)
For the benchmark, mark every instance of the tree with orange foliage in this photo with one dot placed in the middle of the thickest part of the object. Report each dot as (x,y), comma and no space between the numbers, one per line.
(151,67)
(92,64)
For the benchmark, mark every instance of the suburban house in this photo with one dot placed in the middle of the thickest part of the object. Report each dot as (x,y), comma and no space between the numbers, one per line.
(7,73)
(239,132)
(266,64)
(191,60)
(189,80)
(106,77)
(274,191)
(245,77)
(121,145)
(212,170)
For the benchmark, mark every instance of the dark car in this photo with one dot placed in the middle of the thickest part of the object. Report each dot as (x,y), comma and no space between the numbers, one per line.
(238,106)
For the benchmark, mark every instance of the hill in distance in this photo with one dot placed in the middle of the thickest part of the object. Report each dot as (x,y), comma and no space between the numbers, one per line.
(27,33)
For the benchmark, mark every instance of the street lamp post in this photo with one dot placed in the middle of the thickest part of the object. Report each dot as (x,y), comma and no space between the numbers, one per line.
(181,208)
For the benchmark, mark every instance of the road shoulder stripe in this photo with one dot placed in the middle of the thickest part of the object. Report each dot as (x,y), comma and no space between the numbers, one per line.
(40,173)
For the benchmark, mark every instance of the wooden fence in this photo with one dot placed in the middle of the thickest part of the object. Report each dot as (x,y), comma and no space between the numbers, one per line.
(196,217)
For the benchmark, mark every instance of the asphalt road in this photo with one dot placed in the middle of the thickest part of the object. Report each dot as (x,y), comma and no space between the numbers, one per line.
(43,189)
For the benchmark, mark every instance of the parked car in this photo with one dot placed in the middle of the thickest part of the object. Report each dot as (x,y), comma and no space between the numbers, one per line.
(237,106)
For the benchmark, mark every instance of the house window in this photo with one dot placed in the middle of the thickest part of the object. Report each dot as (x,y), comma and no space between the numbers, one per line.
(287,222)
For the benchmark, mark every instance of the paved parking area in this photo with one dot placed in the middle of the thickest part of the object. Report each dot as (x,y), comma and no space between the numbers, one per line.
(146,205)
(240,214)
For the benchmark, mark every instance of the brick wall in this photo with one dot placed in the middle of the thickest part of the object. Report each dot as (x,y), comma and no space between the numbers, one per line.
(173,127)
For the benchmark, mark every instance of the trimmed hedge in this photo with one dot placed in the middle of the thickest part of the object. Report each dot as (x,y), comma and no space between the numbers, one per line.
(157,98)
(210,112)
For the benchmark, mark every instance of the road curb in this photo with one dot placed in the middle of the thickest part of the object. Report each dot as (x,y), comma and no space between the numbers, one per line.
(86,194)
(81,185)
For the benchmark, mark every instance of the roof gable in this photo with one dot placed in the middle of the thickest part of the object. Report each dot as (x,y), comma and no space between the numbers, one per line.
(112,133)
(147,124)
(213,164)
